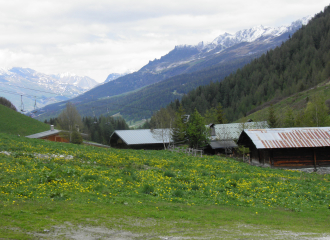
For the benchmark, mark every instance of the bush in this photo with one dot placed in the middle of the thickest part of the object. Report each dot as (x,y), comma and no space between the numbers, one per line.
(178,193)
(147,189)
(169,174)
(7,103)
(76,137)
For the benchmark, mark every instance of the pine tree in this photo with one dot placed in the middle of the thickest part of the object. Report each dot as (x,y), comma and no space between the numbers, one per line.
(272,119)
(179,126)
(197,132)
(289,120)
(221,119)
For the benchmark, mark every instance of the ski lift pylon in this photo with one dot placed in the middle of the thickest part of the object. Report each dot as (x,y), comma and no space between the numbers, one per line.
(35,105)
(22,104)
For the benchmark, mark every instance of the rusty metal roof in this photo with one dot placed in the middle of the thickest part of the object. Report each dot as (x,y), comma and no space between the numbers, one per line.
(290,137)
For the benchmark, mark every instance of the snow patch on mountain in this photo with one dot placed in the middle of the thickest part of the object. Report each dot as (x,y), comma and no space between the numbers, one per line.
(227,40)
(29,83)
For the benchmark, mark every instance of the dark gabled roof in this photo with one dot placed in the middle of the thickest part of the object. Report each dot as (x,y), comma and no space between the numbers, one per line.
(223,144)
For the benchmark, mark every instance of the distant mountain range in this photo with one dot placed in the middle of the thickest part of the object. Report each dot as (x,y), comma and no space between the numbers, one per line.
(259,35)
(181,70)
(47,88)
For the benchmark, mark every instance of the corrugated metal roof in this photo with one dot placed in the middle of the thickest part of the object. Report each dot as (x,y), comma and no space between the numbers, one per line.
(290,137)
(144,136)
(234,130)
(44,134)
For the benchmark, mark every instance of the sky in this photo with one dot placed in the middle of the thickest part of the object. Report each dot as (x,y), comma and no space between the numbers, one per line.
(99,37)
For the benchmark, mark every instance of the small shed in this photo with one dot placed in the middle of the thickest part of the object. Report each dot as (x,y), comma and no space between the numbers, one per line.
(50,135)
(220,146)
(223,136)
(232,131)
(141,138)
(288,147)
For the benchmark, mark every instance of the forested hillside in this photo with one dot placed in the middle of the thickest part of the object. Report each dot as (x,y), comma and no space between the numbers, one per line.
(300,63)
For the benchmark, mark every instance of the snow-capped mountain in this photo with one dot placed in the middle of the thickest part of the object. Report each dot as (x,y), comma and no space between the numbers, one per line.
(249,35)
(260,35)
(39,88)
(114,76)
(81,82)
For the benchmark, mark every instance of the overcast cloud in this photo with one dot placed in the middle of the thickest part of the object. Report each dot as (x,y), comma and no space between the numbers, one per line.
(96,38)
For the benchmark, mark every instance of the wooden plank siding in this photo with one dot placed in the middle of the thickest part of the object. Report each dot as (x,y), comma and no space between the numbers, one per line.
(323,156)
(293,157)
(55,138)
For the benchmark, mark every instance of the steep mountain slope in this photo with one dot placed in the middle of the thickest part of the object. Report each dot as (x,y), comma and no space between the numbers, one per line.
(297,102)
(47,88)
(181,70)
(299,64)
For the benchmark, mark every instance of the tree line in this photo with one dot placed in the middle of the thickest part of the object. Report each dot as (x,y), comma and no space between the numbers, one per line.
(99,129)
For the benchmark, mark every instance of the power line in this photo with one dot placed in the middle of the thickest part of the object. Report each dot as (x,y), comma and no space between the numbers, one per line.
(26,95)
(121,105)
(101,107)
(15,93)
(29,88)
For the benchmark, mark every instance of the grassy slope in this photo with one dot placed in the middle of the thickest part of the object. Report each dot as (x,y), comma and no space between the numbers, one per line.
(16,123)
(188,196)
(297,102)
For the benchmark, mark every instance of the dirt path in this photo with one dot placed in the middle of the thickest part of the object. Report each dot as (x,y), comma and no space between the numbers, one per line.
(238,232)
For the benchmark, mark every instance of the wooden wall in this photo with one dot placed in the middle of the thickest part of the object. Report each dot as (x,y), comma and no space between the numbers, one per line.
(292,157)
(55,138)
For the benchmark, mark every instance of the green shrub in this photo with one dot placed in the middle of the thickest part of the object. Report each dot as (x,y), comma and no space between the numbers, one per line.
(147,189)
(87,178)
(76,137)
(195,187)
(169,174)
(178,193)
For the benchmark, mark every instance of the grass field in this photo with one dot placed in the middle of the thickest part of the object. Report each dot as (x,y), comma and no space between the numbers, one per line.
(13,122)
(46,186)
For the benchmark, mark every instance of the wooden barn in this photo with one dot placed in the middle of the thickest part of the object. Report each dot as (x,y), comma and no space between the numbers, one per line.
(50,135)
(288,147)
(223,136)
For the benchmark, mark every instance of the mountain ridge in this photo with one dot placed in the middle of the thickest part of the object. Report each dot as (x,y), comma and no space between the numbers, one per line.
(49,88)
(175,64)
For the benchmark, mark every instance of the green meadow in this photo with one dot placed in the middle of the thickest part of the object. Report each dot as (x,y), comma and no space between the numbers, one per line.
(44,185)
(15,123)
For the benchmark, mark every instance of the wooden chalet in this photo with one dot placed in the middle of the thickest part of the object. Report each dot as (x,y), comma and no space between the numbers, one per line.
(50,135)
(288,147)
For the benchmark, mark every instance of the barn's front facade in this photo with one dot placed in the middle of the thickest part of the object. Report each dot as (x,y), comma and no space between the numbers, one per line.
(288,147)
